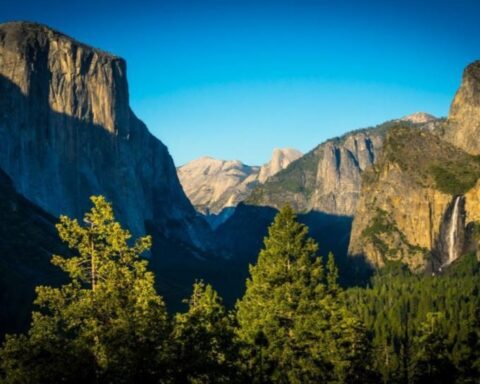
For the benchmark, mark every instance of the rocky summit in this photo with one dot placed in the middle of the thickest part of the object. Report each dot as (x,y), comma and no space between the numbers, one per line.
(419,118)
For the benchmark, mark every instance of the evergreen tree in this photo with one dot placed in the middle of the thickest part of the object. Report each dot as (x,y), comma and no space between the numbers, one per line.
(106,325)
(294,329)
(205,348)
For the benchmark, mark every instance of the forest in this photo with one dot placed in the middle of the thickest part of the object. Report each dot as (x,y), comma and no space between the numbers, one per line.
(294,323)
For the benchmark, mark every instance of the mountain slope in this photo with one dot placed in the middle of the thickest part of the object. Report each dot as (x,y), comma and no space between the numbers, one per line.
(67,132)
(211,184)
(416,202)
(328,178)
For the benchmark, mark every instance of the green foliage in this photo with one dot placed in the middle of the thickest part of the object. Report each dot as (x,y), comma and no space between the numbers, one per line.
(295,328)
(332,275)
(431,361)
(107,324)
(205,349)
(295,324)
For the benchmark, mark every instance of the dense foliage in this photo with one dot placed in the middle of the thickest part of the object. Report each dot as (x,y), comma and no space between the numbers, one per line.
(425,329)
(294,324)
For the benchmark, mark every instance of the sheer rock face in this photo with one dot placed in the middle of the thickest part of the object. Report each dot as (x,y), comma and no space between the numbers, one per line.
(338,177)
(67,132)
(213,185)
(327,179)
(464,119)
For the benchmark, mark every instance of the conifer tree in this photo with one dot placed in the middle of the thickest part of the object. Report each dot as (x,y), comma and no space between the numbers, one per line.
(295,331)
(205,349)
(107,324)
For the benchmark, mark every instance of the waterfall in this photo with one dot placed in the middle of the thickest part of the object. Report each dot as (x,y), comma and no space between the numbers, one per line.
(452,234)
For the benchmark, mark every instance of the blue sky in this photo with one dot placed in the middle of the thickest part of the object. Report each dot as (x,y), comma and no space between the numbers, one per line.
(234,79)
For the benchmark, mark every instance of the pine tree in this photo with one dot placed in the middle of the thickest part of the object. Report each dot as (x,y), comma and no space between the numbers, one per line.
(294,329)
(205,348)
(107,324)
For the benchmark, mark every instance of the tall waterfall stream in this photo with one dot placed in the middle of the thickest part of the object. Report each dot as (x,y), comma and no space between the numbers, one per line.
(452,233)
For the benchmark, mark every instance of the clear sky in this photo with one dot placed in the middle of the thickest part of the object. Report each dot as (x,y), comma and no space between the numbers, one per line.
(234,79)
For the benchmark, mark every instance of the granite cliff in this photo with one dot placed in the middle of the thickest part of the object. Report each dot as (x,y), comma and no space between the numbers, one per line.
(67,132)
(324,187)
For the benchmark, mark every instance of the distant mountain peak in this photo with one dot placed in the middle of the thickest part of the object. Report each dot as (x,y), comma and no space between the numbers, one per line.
(419,118)
(213,185)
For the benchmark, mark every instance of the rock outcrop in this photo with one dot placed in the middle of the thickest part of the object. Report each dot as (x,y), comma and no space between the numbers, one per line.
(281,159)
(216,186)
(327,179)
(463,129)
(211,184)
(67,132)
